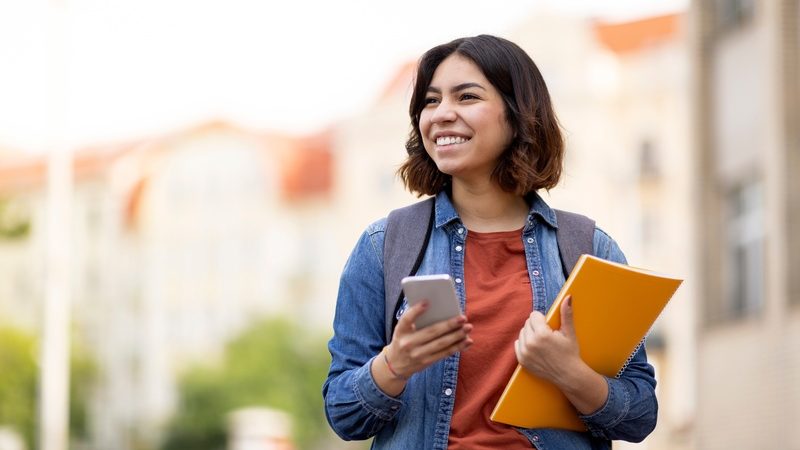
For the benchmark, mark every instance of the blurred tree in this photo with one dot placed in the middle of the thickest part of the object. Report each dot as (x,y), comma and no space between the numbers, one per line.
(19,375)
(83,373)
(273,363)
(15,222)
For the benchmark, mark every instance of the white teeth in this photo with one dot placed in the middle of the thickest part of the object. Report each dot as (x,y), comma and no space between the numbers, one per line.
(449,140)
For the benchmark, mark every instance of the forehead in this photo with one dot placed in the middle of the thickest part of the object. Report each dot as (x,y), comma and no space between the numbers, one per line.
(457,69)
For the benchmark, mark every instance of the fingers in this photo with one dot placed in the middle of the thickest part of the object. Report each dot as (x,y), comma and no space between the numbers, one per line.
(433,338)
(407,320)
(443,345)
(408,336)
(567,325)
(405,326)
(536,323)
(441,328)
(532,333)
(452,349)
(413,350)
(442,342)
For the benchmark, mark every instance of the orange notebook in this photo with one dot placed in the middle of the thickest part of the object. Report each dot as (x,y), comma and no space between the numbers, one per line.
(614,306)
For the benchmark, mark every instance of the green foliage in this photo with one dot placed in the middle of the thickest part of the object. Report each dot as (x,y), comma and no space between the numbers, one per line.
(83,372)
(19,377)
(275,364)
(15,220)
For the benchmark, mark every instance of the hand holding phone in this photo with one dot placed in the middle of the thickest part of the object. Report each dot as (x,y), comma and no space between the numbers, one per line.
(440,292)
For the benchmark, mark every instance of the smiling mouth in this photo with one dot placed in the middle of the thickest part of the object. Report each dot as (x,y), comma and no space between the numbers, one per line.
(450,140)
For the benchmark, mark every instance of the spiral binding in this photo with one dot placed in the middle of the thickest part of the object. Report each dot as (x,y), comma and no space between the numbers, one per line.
(630,357)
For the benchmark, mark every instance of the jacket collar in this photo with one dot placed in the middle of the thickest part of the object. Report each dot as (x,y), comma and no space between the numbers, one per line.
(541,209)
(445,212)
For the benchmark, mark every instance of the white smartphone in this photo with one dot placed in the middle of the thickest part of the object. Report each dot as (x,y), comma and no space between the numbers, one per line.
(440,292)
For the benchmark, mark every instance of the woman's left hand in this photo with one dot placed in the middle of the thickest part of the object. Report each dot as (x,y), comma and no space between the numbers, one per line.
(547,353)
(554,356)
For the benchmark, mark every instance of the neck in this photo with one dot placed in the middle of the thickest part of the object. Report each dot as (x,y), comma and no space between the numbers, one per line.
(487,208)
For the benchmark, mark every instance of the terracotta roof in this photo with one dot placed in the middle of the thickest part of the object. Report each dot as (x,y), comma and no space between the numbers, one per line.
(307,167)
(25,171)
(401,82)
(305,164)
(630,37)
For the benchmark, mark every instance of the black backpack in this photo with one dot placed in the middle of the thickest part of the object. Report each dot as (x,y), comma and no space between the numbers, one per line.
(408,231)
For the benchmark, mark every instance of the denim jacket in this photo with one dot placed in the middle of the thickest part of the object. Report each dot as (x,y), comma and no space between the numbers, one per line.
(420,417)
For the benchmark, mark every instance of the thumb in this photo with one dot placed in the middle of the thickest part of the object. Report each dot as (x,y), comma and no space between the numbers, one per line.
(410,316)
(567,326)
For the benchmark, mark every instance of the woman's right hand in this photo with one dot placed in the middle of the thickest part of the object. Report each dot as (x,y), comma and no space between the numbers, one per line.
(413,350)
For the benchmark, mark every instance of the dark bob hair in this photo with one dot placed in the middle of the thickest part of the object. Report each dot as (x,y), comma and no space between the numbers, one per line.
(535,156)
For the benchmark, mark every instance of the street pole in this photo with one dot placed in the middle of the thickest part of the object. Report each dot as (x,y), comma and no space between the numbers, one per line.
(53,408)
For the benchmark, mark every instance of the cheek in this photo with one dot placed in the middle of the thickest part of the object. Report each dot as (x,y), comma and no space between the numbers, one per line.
(424,129)
(508,131)
(424,124)
(504,130)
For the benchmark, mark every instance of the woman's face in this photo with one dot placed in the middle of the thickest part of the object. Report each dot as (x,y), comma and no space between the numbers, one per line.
(463,123)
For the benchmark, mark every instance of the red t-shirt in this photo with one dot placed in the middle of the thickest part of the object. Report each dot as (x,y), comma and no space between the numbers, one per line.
(499,301)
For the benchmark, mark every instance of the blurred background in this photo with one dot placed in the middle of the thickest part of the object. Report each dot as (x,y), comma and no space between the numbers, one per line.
(181,183)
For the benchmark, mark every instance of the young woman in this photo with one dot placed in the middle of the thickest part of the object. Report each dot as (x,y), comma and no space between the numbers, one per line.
(484,140)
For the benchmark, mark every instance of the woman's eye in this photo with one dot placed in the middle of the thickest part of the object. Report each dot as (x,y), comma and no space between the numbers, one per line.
(431,100)
(468,96)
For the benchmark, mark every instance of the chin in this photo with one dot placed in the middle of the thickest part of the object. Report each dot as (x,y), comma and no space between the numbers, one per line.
(447,169)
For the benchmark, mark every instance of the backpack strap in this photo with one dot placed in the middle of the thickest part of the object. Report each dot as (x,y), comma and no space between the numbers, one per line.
(408,231)
(575,236)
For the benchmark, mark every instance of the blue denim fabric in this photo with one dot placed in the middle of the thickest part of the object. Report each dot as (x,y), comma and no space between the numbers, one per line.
(420,418)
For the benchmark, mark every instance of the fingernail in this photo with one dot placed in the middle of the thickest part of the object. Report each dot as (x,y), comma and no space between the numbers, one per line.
(461,319)
(569,301)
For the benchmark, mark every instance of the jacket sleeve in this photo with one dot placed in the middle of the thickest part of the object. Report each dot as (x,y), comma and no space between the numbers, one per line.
(354,405)
(631,409)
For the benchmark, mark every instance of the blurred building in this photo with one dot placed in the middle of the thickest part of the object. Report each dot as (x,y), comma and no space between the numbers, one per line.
(10,439)
(258,428)
(17,259)
(621,92)
(629,168)
(179,242)
(369,148)
(746,124)
(683,136)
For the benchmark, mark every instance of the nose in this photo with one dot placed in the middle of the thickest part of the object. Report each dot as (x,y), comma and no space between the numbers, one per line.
(444,112)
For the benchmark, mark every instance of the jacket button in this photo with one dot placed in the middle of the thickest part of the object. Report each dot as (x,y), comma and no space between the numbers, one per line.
(459,248)
(536,273)
(535,438)
(448,392)
(530,240)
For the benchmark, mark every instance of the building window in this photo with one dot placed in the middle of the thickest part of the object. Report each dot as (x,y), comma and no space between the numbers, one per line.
(744,274)
(731,14)
(648,161)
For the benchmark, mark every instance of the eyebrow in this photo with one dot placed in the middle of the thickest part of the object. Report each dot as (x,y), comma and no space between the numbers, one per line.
(457,88)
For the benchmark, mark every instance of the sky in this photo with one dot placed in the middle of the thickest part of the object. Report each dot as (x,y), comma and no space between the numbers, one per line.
(76,72)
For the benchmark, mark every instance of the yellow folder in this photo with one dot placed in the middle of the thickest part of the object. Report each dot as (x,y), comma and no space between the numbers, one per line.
(614,306)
